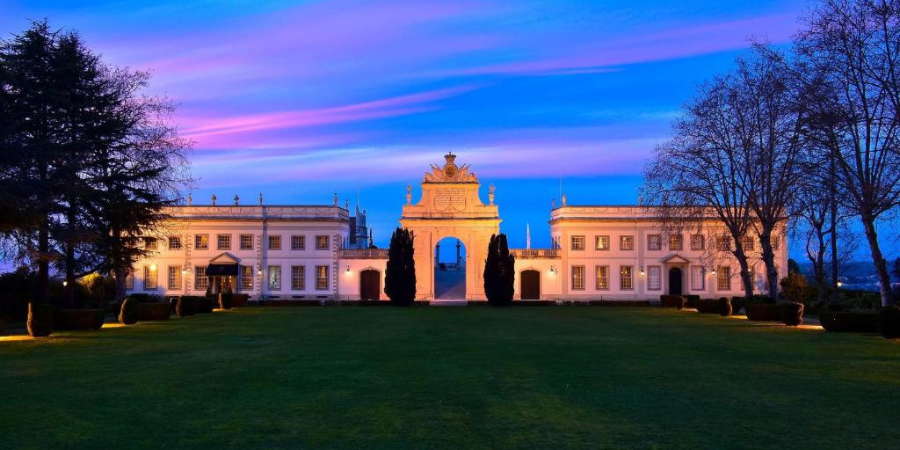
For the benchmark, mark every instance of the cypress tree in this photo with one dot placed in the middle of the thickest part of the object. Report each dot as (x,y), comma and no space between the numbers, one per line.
(499,272)
(400,274)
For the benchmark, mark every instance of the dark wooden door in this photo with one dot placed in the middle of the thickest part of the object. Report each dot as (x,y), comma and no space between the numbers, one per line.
(674,281)
(531,285)
(370,285)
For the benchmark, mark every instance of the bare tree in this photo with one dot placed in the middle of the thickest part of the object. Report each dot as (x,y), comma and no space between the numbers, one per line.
(856,45)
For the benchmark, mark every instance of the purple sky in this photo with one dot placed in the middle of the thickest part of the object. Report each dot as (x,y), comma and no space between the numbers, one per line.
(299,100)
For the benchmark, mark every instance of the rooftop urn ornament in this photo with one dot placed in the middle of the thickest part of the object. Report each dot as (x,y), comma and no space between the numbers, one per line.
(408,194)
(236,199)
(214,199)
(553,204)
(190,199)
(564,200)
(260,199)
(491,194)
(347,204)
(335,199)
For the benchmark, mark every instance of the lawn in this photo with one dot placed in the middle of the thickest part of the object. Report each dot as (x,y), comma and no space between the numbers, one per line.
(470,377)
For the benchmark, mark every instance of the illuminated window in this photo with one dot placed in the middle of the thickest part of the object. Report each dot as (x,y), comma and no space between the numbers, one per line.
(676,242)
(577,242)
(174,278)
(698,242)
(601,242)
(201,242)
(174,243)
(626,281)
(626,242)
(747,243)
(698,278)
(602,277)
(274,242)
(322,243)
(577,278)
(200,280)
(654,278)
(246,242)
(298,278)
(223,242)
(654,242)
(321,278)
(151,244)
(150,278)
(723,278)
(274,278)
(298,242)
(246,278)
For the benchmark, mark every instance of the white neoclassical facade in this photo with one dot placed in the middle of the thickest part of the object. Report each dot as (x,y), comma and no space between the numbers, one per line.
(296,252)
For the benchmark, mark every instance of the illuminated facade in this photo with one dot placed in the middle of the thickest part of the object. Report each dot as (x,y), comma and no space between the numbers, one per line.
(293,252)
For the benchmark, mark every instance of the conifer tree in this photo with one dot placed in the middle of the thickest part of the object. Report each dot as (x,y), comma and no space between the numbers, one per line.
(400,274)
(499,272)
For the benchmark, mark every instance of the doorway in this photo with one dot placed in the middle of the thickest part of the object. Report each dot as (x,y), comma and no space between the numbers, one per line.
(530,285)
(675,281)
(450,269)
(370,285)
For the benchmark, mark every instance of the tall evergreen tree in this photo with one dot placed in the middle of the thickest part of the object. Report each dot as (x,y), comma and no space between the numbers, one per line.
(499,272)
(400,274)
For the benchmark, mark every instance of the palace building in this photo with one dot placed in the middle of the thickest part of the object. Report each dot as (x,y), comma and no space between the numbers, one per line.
(308,252)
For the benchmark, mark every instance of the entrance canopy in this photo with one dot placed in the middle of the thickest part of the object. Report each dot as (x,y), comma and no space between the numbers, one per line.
(222,265)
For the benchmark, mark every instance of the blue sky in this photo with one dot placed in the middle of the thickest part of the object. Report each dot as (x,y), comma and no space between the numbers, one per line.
(299,100)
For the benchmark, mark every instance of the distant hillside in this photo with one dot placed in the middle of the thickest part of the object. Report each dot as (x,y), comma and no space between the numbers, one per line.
(855,275)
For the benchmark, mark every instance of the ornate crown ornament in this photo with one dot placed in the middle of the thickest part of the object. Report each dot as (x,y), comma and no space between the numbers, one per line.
(450,172)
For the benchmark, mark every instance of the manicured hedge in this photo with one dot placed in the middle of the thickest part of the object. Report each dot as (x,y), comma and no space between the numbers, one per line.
(792,313)
(737,304)
(154,311)
(770,312)
(852,322)
(691,300)
(188,305)
(723,307)
(40,320)
(78,319)
(129,314)
(225,300)
(240,300)
(707,306)
(146,298)
(889,322)
(672,301)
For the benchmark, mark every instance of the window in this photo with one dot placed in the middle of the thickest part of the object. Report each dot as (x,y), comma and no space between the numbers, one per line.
(577,278)
(246,278)
(776,241)
(321,278)
(274,242)
(201,241)
(174,243)
(626,281)
(321,242)
(676,242)
(626,242)
(654,278)
(150,278)
(602,277)
(723,243)
(174,278)
(601,242)
(129,280)
(274,278)
(723,278)
(223,242)
(698,278)
(200,280)
(577,242)
(298,278)
(747,243)
(654,242)
(151,244)
(298,242)
(698,242)
(246,242)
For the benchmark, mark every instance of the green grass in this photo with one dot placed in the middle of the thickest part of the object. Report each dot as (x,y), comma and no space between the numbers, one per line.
(427,377)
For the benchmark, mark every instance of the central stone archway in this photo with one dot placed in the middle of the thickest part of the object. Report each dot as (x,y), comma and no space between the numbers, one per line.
(450,207)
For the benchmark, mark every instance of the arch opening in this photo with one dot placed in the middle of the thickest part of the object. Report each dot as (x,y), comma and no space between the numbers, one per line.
(450,269)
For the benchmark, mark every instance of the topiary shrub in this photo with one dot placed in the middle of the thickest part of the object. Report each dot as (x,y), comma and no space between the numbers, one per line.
(889,322)
(672,301)
(225,300)
(737,304)
(707,306)
(129,313)
(206,305)
(768,312)
(849,322)
(690,301)
(499,272)
(78,319)
(792,313)
(154,311)
(40,320)
(240,300)
(723,305)
(187,305)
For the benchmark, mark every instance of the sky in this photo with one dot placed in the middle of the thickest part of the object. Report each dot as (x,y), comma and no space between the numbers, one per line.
(301,100)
